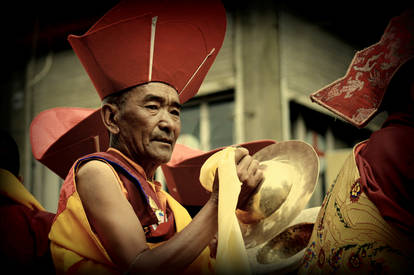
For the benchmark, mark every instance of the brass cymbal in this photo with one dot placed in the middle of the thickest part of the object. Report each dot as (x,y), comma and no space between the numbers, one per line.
(283,253)
(290,171)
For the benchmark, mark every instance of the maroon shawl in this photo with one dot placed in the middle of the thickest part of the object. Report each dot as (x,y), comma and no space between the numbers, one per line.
(386,165)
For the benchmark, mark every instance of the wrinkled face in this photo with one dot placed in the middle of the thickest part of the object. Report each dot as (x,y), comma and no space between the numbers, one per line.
(150,123)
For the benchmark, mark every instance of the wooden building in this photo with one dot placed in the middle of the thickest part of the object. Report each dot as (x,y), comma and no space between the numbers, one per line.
(274,55)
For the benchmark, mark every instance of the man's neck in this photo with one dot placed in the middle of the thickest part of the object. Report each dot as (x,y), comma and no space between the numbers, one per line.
(147,172)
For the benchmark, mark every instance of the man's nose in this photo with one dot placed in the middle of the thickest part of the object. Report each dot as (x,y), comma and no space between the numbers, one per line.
(166,122)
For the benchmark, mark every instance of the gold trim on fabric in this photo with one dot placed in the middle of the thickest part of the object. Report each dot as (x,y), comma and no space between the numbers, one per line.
(350,234)
(198,68)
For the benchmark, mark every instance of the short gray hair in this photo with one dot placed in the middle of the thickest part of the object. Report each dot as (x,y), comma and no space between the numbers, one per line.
(118,98)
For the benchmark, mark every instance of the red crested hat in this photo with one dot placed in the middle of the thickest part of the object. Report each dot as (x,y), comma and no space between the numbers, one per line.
(60,136)
(183,170)
(136,42)
(357,96)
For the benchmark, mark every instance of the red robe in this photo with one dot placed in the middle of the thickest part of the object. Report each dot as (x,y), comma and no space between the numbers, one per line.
(386,165)
(76,248)
(24,229)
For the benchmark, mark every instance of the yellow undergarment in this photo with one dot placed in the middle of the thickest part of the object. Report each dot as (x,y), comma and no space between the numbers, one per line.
(231,252)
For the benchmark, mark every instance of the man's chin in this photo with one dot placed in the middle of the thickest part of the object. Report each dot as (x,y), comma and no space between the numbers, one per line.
(161,153)
(163,157)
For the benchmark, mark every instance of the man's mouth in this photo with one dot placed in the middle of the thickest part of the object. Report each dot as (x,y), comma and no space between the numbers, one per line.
(163,140)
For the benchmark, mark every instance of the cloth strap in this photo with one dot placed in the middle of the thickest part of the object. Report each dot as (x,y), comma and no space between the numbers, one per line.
(231,253)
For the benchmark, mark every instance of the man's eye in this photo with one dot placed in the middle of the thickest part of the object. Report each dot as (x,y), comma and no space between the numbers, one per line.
(152,107)
(175,112)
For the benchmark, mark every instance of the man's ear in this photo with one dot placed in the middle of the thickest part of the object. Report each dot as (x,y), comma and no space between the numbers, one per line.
(110,117)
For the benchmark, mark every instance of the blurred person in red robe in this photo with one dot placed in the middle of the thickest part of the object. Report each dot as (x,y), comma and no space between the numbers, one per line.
(24,223)
(386,162)
(366,222)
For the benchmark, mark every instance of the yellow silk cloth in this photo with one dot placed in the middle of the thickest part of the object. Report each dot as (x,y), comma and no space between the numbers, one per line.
(231,255)
(76,249)
(12,188)
(350,235)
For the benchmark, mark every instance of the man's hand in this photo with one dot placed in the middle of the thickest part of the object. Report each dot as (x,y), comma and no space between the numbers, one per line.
(249,174)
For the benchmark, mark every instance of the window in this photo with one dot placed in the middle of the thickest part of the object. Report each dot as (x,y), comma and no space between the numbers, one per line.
(207,122)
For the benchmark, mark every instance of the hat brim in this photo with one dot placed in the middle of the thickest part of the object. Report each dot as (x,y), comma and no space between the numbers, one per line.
(304,159)
(59,136)
(183,170)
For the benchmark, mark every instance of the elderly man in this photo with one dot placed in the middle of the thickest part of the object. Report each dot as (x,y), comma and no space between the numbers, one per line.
(145,59)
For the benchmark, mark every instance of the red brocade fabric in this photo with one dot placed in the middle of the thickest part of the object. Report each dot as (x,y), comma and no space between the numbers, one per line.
(357,96)
(386,165)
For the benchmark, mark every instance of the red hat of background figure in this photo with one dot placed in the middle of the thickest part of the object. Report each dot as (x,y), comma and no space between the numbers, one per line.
(183,170)
(60,136)
(169,41)
(357,96)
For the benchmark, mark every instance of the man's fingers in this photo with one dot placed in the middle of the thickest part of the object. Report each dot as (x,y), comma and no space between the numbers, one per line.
(258,175)
(247,167)
(244,163)
(253,166)
(239,153)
